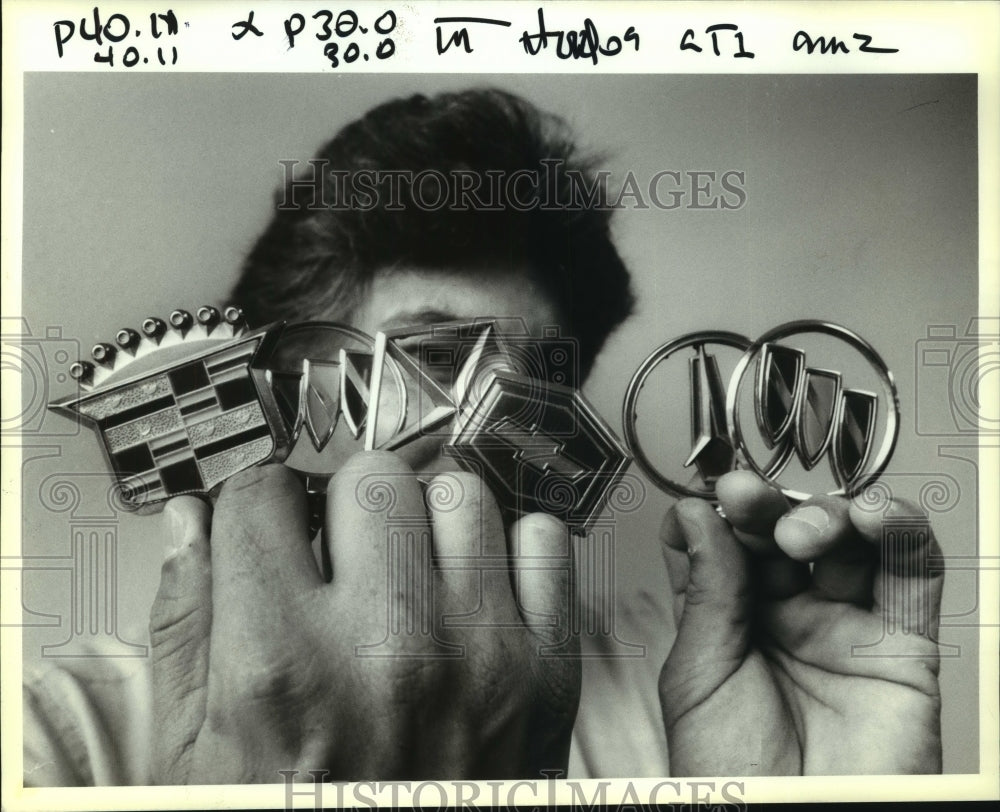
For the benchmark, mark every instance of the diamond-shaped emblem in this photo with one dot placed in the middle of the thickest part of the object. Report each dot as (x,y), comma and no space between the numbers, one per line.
(541,447)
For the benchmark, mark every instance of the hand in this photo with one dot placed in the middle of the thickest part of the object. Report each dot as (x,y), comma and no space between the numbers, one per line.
(260,666)
(762,679)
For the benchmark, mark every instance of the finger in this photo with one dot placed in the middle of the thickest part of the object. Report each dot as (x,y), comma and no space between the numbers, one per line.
(779,577)
(909,575)
(674,547)
(774,575)
(845,639)
(542,553)
(751,505)
(814,528)
(718,592)
(378,532)
(261,558)
(470,551)
(759,544)
(846,571)
(180,623)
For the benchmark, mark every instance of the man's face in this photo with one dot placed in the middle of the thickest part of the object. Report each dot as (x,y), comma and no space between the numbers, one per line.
(419,298)
(414,298)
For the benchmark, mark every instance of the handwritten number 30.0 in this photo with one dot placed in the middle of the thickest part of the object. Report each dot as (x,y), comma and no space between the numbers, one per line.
(385,49)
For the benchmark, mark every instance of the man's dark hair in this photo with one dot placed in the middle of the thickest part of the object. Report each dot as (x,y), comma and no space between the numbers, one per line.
(317,260)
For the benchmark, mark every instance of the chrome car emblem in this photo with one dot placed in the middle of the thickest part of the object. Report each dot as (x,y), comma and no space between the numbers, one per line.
(712,452)
(541,448)
(800,412)
(537,443)
(807,412)
(181,407)
(202,399)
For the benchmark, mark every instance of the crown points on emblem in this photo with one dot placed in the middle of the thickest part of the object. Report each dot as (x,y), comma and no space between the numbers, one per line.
(82,372)
(128,340)
(177,404)
(104,353)
(208,317)
(234,316)
(110,358)
(181,321)
(154,329)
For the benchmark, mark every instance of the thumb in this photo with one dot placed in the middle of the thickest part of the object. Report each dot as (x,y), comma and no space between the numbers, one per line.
(180,624)
(713,631)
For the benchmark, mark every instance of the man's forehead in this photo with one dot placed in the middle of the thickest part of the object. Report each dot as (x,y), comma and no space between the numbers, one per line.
(415,297)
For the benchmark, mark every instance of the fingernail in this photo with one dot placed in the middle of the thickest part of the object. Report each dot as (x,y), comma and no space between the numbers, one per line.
(812,516)
(540,534)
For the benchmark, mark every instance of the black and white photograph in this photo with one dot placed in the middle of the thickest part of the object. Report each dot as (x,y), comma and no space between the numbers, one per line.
(386,435)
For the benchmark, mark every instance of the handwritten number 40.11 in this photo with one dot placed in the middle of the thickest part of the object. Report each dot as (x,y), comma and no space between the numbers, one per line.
(131,56)
(115,29)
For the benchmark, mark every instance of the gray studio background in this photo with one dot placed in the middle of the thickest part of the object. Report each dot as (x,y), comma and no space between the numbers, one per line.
(142,193)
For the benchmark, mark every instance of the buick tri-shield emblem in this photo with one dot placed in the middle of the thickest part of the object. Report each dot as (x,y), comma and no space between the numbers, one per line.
(801,412)
(799,409)
(807,410)
(321,376)
(807,413)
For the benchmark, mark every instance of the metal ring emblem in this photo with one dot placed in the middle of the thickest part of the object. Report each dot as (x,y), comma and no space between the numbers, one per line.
(868,473)
(629,407)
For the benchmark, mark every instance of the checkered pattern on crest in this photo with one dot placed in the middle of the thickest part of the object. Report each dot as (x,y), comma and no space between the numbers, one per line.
(186,429)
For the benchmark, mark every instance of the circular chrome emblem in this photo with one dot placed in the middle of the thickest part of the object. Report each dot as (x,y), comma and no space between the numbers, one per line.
(806,412)
(802,412)
(711,452)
